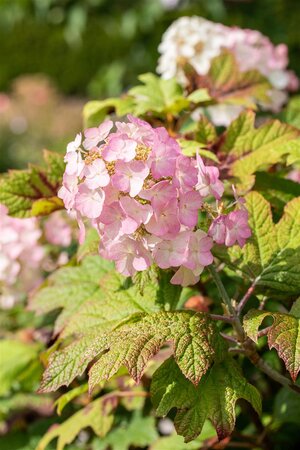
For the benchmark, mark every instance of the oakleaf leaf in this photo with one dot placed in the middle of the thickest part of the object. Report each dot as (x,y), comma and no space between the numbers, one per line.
(283,335)
(95,111)
(227,84)
(214,398)
(205,132)
(159,95)
(196,344)
(97,415)
(33,192)
(271,257)
(194,337)
(190,148)
(252,149)
(277,190)
(94,296)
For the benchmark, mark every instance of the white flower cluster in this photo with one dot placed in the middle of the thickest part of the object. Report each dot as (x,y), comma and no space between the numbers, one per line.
(197,41)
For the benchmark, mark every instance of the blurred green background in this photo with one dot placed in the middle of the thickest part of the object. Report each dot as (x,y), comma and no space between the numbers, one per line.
(57,53)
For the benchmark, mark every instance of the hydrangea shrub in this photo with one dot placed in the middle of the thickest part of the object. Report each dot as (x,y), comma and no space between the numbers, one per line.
(186,273)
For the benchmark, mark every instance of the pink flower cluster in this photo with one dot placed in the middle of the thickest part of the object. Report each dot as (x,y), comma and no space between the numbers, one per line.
(143,196)
(19,246)
(58,230)
(20,256)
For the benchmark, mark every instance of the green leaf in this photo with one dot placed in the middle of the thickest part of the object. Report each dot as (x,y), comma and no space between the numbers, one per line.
(193,335)
(133,343)
(176,442)
(158,95)
(16,358)
(287,406)
(97,415)
(168,294)
(295,309)
(90,245)
(66,398)
(199,96)
(283,335)
(278,191)
(271,257)
(33,192)
(205,132)
(291,114)
(190,148)
(214,398)
(138,433)
(94,112)
(92,296)
(228,84)
(248,146)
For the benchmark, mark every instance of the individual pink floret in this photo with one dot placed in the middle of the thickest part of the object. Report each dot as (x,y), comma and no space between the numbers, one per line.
(186,173)
(96,174)
(189,205)
(119,147)
(237,228)
(199,254)
(130,256)
(68,190)
(89,202)
(172,253)
(164,221)
(118,223)
(133,209)
(208,180)
(159,194)
(93,136)
(130,177)
(217,229)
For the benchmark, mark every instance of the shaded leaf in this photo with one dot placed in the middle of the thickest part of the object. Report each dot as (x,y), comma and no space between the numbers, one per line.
(139,432)
(95,112)
(176,442)
(199,96)
(278,191)
(24,401)
(287,406)
(205,132)
(214,398)
(90,245)
(291,114)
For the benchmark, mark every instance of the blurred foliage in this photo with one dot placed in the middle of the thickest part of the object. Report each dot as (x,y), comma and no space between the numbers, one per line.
(31,120)
(97,47)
